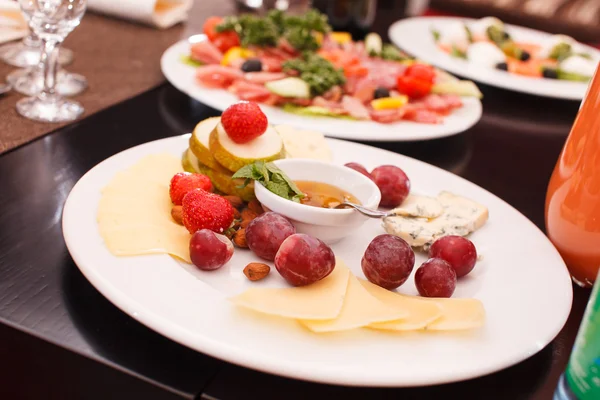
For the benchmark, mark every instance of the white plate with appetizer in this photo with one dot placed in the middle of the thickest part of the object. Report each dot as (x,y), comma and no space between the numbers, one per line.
(498,54)
(346,89)
(450,284)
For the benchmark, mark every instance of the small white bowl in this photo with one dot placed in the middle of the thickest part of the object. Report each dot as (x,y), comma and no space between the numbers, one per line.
(329,225)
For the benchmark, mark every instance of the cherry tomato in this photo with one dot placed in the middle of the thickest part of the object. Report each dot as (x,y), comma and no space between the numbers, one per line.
(222,40)
(422,72)
(413,87)
(226,40)
(210,26)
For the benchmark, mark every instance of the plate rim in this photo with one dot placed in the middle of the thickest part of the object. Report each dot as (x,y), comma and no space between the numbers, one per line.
(227,353)
(508,81)
(477,109)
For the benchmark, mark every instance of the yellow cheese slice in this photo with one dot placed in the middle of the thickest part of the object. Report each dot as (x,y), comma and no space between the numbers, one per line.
(458,314)
(420,313)
(359,309)
(321,300)
(134,212)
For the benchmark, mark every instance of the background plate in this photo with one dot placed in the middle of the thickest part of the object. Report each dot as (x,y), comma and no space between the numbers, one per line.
(521,280)
(413,35)
(182,77)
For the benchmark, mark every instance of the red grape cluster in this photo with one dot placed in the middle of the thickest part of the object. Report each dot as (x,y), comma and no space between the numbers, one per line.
(389,261)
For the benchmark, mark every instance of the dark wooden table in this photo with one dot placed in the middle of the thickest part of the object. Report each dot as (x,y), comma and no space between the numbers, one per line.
(60,339)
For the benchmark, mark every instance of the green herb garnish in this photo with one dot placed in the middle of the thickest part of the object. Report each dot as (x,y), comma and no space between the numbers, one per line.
(299,30)
(318,72)
(272,178)
(190,61)
(252,30)
(436,34)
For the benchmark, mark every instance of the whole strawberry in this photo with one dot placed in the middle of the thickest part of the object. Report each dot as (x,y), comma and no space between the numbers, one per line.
(244,121)
(185,182)
(205,210)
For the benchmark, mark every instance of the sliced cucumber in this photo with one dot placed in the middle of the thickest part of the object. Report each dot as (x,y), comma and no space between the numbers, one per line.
(199,142)
(290,87)
(373,44)
(233,156)
(313,111)
(460,88)
(570,76)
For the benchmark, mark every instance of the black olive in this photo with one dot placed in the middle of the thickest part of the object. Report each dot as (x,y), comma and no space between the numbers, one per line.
(505,35)
(252,65)
(524,56)
(502,66)
(550,73)
(381,92)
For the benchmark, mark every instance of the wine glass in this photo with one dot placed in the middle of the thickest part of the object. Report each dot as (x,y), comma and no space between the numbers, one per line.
(51,21)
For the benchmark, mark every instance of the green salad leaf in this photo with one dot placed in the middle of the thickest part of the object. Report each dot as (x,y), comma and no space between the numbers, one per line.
(190,61)
(272,178)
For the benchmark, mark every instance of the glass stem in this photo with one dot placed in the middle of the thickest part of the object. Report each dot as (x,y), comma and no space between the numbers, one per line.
(31,40)
(49,60)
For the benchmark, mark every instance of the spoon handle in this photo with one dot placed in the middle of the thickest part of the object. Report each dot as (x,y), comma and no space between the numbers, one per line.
(364,211)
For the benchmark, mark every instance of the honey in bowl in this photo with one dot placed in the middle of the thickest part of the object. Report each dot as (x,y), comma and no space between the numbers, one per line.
(324,195)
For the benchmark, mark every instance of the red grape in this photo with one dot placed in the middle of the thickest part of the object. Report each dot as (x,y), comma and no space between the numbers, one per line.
(359,168)
(303,260)
(458,251)
(388,261)
(393,184)
(210,250)
(266,232)
(435,278)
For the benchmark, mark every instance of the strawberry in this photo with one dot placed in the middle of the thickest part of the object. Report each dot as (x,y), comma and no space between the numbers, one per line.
(244,121)
(184,182)
(205,210)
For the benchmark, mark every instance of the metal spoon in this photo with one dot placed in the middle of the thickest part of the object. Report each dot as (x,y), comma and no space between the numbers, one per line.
(5,87)
(365,211)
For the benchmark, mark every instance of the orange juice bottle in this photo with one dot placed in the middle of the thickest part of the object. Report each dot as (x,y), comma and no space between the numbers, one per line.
(573,198)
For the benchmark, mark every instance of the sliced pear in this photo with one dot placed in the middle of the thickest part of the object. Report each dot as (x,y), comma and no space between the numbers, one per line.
(233,156)
(220,177)
(199,142)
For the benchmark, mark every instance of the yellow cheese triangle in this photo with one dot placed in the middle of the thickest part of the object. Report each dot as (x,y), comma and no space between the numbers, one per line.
(420,313)
(321,300)
(359,309)
(458,314)
(134,212)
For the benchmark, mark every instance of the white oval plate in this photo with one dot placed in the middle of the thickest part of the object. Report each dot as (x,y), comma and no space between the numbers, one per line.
(521,280)
(181,76)
(413,35)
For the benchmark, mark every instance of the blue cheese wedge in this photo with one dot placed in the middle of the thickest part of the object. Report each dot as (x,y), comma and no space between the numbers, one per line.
(419,206)
(460,216)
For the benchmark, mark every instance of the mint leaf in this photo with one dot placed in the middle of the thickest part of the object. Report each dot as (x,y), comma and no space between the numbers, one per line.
(271,177)
(273,169)
(280,189)
(247,171)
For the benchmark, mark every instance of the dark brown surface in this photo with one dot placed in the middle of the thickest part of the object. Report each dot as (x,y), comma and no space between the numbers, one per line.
(60,339)
(119,60)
